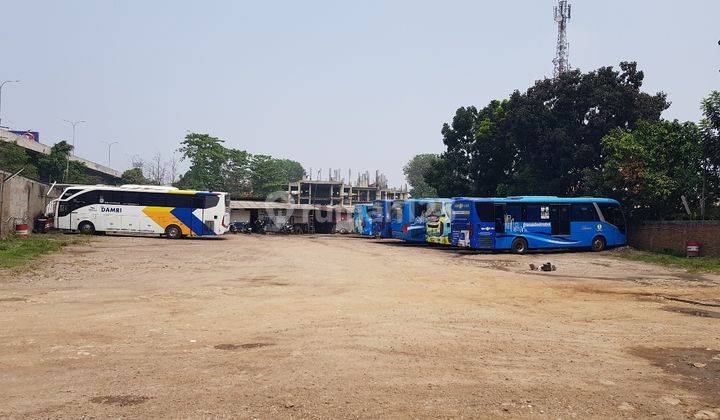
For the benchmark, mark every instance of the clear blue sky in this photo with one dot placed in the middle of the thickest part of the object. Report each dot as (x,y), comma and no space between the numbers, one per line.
(360,85)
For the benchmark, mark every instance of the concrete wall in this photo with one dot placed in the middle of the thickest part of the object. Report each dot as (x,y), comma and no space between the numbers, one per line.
(21,200)
(658,236)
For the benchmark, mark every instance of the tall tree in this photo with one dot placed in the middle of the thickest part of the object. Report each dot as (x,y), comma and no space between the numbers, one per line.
(236,173)
(450,176)
(57,166)
(710,127)
(542,140)
(417,171)
(207,157)
(558,124)
(491,153)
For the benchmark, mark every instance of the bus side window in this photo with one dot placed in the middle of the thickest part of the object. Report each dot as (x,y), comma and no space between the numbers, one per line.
(110,197)
(130,198)
(583,213)
(211,201)
(514,212)
(177,200)
(531,213)
(153,199)
(485,211)
(82,200)
(90,197)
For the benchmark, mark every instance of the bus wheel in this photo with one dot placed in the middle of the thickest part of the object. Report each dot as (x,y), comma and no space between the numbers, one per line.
(86,228)
(173,232)
(519,246)
(598,244)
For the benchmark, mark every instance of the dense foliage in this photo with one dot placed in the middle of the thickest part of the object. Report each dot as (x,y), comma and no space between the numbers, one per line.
(14,158)
(57,166)
(215,167)
(135,176)
(416,172)
(593,133)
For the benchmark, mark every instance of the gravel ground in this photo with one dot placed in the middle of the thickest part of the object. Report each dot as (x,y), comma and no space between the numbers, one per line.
(331,326)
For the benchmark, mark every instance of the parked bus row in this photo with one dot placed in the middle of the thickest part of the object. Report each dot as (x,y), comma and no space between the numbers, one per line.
(516,224)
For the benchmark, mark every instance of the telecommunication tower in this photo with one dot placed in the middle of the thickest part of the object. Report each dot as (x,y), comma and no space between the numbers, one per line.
(562,55)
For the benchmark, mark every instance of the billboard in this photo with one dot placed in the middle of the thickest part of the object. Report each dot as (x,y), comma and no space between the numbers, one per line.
(30,135)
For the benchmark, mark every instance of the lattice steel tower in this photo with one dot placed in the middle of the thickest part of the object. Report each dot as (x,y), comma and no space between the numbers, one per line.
(562,55)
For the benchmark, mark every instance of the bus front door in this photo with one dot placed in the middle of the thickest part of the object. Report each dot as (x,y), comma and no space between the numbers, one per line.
(560,219)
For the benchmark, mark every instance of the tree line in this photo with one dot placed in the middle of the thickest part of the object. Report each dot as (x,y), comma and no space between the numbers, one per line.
(580,134)
(213,167)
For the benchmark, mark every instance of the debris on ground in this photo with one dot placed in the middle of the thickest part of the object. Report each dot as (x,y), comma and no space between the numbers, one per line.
(545,267)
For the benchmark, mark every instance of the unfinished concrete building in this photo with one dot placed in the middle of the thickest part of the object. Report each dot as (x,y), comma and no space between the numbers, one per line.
(336,191)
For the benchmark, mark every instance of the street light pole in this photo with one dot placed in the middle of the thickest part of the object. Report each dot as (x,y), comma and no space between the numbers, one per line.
(74,124)
(67,163)
(109,145)
(3,83)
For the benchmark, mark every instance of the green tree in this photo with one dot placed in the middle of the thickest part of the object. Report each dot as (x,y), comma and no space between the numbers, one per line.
(57,166)
(649,168)
(557,126)
(492,153)
(207,157)
(710,128)
(542,140)
(236,173)
(134,176)
(14,157)
(450,175)
(269,175)
(417,172)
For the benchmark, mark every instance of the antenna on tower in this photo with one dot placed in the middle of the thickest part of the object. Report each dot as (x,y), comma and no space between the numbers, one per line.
(563,12)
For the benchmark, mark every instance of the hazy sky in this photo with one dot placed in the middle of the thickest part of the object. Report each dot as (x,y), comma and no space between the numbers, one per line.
(359,85)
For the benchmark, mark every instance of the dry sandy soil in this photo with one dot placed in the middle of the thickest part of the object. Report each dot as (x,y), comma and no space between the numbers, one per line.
(330,326)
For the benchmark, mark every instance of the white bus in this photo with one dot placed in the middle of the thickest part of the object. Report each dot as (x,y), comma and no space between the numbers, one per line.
(141,209)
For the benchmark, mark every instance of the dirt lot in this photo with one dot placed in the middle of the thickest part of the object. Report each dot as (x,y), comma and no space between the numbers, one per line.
(332,326)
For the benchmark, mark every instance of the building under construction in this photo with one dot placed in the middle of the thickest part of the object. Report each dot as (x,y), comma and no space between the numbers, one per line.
(336,191)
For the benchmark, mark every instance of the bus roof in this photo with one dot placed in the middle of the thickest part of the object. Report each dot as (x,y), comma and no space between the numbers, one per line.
(422,200)
(141,188)
(539,199)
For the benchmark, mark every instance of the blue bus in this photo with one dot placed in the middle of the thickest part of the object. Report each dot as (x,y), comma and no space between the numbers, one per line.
(519,224)
(439,217)
(362,216)
(408,219)
(381,218)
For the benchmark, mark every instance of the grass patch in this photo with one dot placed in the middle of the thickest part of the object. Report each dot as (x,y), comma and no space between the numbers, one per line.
(17,252)
(668,259)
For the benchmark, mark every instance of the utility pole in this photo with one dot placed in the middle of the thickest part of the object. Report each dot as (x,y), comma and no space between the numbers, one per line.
(562,54)
(72,152)
(3,83)
(109,145)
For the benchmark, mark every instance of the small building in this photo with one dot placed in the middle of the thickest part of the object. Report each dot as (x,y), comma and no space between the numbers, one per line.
(305,218)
